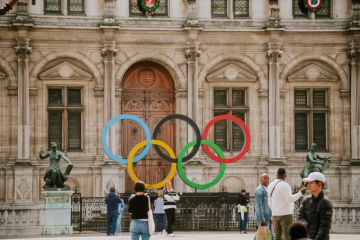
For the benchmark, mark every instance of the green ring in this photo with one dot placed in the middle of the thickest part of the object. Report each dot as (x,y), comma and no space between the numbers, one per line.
(196,185)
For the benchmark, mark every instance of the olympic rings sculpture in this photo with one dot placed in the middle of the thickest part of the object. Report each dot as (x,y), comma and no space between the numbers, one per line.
(176,163)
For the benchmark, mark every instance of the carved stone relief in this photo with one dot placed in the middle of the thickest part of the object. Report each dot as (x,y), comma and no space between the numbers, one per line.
(231,71)
(23,187)
(313,72)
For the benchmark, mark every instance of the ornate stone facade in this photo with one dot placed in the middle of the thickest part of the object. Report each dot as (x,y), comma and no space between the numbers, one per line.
(267,57)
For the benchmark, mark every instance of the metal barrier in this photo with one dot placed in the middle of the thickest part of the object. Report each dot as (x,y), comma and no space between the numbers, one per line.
(194,212)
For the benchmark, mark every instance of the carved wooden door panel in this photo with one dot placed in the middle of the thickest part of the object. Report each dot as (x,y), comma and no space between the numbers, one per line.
(148,92)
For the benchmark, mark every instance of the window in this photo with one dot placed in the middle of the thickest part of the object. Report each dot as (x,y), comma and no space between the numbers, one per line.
(135,9)
(228,134)
(229,8)
(311,110)
(75,7)
(52,7)
(56,7)
(64,117)
(300,11)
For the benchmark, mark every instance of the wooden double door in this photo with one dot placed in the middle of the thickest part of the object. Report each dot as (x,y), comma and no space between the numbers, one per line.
(148,92)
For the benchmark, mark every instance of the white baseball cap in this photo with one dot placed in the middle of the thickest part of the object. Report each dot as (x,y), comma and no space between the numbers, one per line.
(315,176)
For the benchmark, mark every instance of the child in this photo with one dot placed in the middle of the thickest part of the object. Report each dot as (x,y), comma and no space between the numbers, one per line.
(159,213)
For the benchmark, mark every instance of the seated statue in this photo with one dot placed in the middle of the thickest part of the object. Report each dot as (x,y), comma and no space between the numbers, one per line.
(54,177)
(314,163)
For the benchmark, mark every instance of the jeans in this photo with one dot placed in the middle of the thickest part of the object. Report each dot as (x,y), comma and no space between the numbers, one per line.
(139,228)
(243,223)
(159,222)
(282,226)
(170,218)
(118,224)
(111,223)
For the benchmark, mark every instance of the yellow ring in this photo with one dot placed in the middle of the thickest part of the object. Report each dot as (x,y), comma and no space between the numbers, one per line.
(131,169)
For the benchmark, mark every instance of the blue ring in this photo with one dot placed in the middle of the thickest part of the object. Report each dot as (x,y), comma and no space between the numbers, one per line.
(122,117)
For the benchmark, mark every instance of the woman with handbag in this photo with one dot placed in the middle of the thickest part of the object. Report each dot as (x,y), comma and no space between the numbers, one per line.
(142,222)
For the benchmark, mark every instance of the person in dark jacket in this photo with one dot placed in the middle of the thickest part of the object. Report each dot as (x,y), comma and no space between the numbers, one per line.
(139,207)
(242,210)
(112,201)
(316,211)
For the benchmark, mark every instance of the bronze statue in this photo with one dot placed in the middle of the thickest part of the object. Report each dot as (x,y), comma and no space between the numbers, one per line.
(314,163)
(54,177)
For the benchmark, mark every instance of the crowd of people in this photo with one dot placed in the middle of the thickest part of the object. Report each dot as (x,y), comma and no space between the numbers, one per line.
(274,210)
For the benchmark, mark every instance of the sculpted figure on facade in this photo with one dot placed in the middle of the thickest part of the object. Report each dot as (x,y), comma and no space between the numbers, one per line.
(314,163)
(55,176)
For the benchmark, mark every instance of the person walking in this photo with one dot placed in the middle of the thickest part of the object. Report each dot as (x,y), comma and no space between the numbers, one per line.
(316,211)
(112,201)
(262,209)
(121,209)
(159,213)
(242,210)
(170,198)
(138,208)
(281,202)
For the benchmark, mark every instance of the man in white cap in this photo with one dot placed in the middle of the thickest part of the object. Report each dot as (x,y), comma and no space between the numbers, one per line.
(316,211)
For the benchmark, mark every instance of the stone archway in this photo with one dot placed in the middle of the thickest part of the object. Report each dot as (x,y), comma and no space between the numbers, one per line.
(232,184)
(148,92)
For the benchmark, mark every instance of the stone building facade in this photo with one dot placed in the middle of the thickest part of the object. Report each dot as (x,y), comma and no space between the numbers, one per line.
(293,78)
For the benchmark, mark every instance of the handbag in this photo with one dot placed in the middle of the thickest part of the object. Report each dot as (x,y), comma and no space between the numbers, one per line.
(151,222)
(263,233)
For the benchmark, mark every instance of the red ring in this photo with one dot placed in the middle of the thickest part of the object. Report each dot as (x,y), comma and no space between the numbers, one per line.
(243,151)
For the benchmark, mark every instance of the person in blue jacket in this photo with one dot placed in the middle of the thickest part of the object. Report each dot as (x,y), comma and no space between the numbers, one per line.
(112,201)
(262,209)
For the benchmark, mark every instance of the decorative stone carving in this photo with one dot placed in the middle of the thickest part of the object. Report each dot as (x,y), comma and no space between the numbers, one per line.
(109,53)
(274,54)
(23,187)
(232,72)
(66,71)
(22,50)
(314,72)
(192,54)
(355,19)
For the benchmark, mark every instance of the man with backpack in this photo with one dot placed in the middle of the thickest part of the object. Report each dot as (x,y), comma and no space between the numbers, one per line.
(316,211)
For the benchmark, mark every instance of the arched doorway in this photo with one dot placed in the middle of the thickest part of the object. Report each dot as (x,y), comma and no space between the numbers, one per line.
(148,92)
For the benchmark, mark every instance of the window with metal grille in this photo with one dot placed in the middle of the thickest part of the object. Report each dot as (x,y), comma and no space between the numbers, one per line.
(52,7)
(228,135)
(219,8)
(325,10)
(311,110)
(162,11)
(229,8)
(241,8)
(75,7)
(64,117)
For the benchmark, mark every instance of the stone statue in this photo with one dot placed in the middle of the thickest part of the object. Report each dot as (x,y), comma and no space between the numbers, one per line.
(314,163)
(54,177)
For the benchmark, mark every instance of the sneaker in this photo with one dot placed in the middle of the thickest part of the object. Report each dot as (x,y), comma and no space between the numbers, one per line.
(163,232)
(171,235)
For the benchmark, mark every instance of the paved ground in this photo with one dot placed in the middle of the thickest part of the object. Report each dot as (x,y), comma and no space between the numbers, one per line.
(179,236)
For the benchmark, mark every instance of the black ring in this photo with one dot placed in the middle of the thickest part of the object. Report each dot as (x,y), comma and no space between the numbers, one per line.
(191,123)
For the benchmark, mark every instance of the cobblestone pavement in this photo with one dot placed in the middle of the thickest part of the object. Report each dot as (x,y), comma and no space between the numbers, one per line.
(178,236)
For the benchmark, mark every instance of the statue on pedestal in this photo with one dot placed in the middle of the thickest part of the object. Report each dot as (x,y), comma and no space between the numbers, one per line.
(55,177)
(314,163)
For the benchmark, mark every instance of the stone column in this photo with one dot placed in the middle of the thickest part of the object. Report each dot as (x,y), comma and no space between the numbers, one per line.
(274,53)
(23,51)
(192,53)
(109,52)
(109,13)
(21,8)
(354,54)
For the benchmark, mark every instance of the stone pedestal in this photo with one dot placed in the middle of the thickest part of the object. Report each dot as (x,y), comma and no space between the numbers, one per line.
(57,215)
